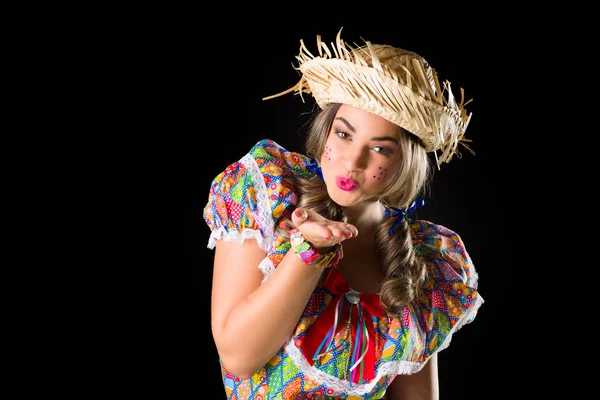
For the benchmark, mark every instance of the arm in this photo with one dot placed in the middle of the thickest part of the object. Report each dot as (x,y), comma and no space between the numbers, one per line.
(423,385)
(251,321)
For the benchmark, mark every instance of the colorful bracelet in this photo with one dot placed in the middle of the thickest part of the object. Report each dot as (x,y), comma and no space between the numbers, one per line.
(309,256)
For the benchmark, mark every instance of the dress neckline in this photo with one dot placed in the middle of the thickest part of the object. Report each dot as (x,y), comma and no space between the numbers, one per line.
(336,279)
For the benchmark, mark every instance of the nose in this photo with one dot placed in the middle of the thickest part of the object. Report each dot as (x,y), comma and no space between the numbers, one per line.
(355,159)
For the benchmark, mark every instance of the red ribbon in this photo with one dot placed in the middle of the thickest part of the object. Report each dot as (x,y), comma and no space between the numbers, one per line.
(371,307)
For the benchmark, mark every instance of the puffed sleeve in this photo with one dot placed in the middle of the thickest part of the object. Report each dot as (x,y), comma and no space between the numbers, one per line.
(449,299)
(248,198)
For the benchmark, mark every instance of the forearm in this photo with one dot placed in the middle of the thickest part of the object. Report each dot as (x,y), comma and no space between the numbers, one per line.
(263,321)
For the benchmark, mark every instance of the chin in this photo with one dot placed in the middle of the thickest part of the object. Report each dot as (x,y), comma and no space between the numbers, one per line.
(344,199)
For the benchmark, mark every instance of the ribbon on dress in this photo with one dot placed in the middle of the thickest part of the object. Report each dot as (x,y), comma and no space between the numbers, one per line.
(320,336)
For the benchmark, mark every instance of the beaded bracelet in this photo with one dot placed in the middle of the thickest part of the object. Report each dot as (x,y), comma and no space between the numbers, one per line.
(309,256)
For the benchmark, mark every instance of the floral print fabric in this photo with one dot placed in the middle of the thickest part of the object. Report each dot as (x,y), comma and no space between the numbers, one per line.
(248,200)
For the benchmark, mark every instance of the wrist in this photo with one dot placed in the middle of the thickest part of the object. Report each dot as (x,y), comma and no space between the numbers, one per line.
(321,258)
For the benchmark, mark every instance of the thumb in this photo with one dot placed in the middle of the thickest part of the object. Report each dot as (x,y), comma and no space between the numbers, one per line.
(299,216)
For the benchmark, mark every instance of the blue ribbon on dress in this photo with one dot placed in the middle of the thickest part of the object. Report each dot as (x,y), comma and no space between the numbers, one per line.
(399,214)
(313,166)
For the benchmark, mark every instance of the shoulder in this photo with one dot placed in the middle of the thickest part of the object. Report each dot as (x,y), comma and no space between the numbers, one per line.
(426,233)
(249,196)
(273,159)
(449,298)
(264,163)
(444,252)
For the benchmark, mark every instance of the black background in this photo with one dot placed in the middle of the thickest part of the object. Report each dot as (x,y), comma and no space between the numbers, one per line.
(131,317)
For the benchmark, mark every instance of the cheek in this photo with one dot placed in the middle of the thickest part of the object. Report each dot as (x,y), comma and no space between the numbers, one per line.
(379,173)
(330,153)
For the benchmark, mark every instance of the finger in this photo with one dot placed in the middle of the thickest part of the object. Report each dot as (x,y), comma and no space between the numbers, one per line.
(336,231)
(353,230)
(348,231)
(299,216)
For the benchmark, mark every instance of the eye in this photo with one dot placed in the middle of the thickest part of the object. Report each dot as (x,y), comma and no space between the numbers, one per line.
(382,150)
(342,135)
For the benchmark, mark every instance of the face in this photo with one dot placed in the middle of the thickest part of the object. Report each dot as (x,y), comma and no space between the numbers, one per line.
(361,154)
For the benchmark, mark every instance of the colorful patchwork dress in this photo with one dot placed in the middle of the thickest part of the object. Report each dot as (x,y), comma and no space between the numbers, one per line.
(344,346)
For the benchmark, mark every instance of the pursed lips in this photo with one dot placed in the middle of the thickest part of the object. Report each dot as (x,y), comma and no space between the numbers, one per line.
(345,183)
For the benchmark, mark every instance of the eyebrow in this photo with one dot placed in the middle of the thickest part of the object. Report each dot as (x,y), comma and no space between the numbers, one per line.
(376,139)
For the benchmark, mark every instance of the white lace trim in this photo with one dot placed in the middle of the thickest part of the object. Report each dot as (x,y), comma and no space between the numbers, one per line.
(235,236)
(266,265)
(461,322)
(340,385)
(267,268)
(263,214)
(474,277)
(386,368)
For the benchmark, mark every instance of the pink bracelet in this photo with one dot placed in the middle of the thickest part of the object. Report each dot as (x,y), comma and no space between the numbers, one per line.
(309,256)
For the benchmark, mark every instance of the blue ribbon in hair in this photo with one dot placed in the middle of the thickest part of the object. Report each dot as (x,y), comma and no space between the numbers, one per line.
(399,214)
(313,166)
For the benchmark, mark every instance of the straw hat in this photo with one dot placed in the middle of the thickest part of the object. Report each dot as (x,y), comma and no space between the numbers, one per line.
(395,84)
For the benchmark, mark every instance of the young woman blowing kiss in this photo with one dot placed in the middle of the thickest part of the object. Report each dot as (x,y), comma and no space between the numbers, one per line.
(324,284)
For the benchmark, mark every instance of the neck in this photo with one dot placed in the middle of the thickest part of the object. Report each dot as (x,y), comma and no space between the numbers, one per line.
(365,215)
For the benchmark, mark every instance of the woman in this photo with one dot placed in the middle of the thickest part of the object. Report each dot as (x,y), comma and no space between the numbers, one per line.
(324,286)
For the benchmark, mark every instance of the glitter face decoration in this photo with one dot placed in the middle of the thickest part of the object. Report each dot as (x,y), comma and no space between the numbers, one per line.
(327,153)
(382,173)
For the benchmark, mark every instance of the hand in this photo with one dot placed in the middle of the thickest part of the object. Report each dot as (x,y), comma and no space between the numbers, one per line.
(321,232)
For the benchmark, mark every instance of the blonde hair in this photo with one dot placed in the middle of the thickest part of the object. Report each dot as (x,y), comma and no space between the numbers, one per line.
(404,272)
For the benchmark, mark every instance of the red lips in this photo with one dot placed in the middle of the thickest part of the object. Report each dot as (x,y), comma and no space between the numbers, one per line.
(345,183)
